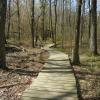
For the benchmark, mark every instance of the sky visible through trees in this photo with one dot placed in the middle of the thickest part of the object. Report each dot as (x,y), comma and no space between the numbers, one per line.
(74,3)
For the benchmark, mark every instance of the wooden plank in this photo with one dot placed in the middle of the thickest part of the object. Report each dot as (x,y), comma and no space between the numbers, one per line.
(55,82)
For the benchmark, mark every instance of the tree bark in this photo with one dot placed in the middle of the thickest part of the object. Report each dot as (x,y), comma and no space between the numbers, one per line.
(55,20)
(62,23)
(3,6)
(93,36)
(33,25)
(89,3)
(43,18)
(75,57)
(82,22)
(50,21)
(18,13)
(9,16)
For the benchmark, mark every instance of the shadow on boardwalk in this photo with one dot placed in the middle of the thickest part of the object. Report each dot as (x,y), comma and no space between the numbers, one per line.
(55,82)
(69,96)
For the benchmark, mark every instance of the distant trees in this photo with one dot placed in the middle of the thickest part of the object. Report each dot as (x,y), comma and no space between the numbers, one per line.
(53,20)
(76,59)
(3,6)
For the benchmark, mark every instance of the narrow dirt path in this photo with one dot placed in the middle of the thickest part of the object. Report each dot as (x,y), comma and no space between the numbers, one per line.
(55,82)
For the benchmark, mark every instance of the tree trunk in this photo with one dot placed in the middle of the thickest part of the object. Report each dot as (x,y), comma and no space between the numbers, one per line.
(33,25)
(62,23)
(3,5)
(43,18)
(82,23)
(89,3)
(55,19)
(9,16)
(75,58)
(93,37)
(18,13)
(50,21)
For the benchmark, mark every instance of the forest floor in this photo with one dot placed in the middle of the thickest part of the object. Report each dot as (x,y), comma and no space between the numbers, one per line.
(24,65)
(88,75)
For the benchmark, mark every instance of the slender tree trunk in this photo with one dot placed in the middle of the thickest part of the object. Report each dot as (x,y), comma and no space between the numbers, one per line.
(89,3)
(37,35)
(82,22)
(43,15)
(70,25)
(18,13)
(50,21)
(75,57)
(69,18)
(55,19)
(3,6)
(33,24)
(93,37)
(43,18)
(62,23)
(9,16)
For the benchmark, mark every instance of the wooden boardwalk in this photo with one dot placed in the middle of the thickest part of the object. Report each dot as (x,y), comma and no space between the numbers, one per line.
(55,82)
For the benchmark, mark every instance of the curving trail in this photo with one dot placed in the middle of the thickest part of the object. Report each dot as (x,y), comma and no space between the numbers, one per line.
(55,82)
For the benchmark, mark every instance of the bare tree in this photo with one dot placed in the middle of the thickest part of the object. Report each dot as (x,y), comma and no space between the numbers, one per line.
(89,3)
(9,16)
(75,57)
(82,22)
(18,13)
(33,24)
(93,36)
(62,23)
(55,4)
(43,6)
(50,20)
(3,6)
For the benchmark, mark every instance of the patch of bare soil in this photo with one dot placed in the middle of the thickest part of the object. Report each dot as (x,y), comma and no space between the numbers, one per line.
(88,75)
(24,65)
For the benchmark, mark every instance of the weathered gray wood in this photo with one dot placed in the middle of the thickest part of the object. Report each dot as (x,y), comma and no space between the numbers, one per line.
(55,82)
